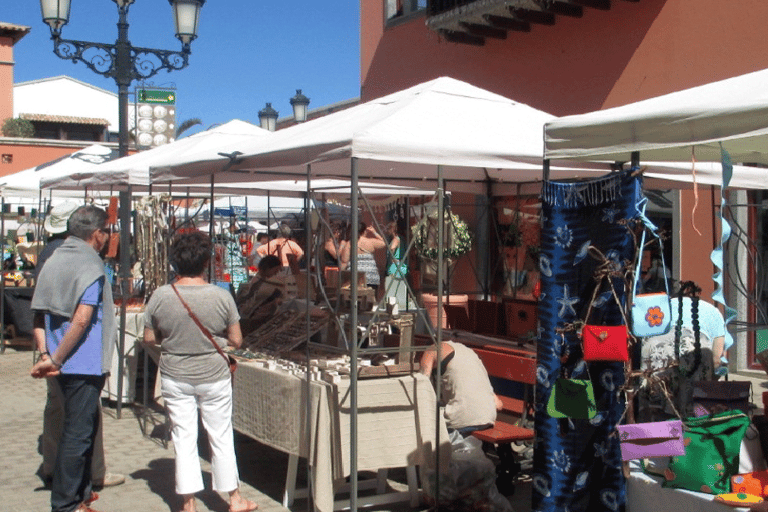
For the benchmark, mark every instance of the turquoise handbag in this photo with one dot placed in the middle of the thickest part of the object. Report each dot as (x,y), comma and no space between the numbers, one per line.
(651,313)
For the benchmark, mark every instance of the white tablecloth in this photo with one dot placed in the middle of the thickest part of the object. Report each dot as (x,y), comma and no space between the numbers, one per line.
(396,423)
(134,330)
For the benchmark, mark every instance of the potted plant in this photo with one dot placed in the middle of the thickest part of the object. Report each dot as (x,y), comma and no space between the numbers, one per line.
(456,243)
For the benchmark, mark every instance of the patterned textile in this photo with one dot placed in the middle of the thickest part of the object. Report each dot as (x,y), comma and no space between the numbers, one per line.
(577,463)
(367,265)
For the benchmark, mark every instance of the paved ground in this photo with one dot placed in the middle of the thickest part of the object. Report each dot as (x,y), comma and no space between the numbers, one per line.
(147,464)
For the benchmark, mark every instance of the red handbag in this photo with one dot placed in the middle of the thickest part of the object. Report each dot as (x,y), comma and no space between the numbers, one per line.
(605,343)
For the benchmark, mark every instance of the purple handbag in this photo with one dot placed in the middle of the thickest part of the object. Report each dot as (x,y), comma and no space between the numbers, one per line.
(657,439)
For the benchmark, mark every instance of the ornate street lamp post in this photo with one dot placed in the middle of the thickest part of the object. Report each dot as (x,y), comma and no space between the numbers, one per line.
(125,63)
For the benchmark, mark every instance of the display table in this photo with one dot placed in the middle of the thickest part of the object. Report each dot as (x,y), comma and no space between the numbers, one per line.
(395,423)
(134,331)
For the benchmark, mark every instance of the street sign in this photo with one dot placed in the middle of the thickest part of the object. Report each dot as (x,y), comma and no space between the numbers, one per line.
(157,96)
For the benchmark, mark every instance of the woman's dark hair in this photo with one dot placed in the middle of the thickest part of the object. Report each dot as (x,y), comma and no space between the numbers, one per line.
(361,228)
(85,220)
(269,262)
(190,253)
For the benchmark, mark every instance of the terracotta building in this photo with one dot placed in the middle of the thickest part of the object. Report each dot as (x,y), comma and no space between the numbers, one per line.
(574,56)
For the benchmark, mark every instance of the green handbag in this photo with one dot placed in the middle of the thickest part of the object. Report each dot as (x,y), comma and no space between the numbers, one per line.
(572,398)
(712,445)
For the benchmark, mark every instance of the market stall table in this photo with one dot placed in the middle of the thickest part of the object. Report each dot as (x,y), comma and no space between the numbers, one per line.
(134,332)
(395,421)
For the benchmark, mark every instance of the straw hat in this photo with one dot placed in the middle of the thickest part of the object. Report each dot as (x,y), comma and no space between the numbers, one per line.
(56,221)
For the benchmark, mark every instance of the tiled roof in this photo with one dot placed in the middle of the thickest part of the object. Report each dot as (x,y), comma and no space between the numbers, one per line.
(64,119)
(13,31)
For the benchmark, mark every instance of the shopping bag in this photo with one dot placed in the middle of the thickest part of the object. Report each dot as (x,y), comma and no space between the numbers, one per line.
(712,445)
(572,398)
(755,483)
(657,439)
(651,314)
(711,396)
(605,343)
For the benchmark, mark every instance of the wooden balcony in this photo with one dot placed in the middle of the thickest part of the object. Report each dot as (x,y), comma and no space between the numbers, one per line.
(473,21)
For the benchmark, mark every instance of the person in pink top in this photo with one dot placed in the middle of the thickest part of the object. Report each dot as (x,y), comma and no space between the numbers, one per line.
(282,247)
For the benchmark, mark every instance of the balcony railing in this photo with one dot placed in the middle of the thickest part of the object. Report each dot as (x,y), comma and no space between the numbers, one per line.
(472,21)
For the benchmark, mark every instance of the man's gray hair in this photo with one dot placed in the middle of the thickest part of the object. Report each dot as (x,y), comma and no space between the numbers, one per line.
(85,220)
(285,230)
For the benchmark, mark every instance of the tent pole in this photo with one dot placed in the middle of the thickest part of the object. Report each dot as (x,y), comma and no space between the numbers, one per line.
(307,316)
(635,159)
(439,327)
(212,271)
(354,203)
(489,223)
(186,212)
(125,272)
(545,169)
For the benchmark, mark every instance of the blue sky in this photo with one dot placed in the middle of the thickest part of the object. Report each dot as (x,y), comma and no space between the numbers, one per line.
(247,52)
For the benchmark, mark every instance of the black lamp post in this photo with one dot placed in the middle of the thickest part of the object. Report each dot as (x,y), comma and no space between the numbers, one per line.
(299,104)
(268,118)
(123,61)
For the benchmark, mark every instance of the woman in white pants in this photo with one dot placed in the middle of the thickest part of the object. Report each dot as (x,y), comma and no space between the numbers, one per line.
(194,375)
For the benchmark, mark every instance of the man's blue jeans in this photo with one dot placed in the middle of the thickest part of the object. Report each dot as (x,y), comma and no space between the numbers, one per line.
(72,474)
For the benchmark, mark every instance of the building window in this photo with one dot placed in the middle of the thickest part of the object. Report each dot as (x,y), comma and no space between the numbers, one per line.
(398,9)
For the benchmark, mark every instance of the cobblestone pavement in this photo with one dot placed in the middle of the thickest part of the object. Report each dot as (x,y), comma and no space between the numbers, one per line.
(146,462)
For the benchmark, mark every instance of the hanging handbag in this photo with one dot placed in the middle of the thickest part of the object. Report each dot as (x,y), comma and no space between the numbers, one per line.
(572,398)
(231,361)
(712,445)
(658,439)
(604,342)
(713,396)
(651,313)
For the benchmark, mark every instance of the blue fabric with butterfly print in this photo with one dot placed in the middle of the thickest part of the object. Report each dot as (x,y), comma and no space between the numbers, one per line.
(577,463)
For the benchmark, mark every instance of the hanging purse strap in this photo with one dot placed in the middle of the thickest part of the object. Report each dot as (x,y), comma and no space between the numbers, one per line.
(200,325)
(648,225)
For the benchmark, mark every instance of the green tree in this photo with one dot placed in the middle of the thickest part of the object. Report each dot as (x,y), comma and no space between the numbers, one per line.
(17,127)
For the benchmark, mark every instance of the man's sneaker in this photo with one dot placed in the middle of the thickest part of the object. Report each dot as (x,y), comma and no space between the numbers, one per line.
(110,480)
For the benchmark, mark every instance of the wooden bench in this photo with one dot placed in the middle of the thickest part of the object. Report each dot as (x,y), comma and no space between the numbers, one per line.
(517,366)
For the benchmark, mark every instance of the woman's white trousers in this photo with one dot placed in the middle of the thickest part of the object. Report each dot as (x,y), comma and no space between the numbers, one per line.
(215,404)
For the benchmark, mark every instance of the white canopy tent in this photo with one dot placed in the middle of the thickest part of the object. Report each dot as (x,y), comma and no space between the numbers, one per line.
(673,127)
(27,182)
(134,169)
(475,135)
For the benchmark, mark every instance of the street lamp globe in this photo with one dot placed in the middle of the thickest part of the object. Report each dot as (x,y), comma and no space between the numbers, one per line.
(186,17)
(268,118)
(299,104)
(55,14)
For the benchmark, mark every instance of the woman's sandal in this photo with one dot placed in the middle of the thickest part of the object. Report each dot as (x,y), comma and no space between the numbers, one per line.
(250,507)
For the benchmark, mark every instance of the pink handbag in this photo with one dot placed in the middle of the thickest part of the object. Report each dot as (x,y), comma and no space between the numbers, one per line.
(657,439)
